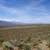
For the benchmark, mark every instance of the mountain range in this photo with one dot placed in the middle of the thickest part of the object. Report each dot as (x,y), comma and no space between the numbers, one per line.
(12,24)
(6,24)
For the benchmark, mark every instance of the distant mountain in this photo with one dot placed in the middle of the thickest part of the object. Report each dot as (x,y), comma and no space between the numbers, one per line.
(6,24)
(10,24)
(13,24)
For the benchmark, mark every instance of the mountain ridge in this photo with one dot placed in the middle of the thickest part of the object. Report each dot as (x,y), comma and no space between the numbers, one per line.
(12,24)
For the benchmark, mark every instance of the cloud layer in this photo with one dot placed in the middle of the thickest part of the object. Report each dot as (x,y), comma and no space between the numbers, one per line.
(34,12)
(27,11)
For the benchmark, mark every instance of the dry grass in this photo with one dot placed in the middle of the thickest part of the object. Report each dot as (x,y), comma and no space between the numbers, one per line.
(42,32)
(36,33)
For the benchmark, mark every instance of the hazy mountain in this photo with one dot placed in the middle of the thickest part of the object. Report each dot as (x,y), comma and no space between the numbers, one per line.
(6,24)
(12,24)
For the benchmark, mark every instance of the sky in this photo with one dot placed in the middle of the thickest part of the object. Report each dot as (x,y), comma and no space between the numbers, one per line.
(26,11)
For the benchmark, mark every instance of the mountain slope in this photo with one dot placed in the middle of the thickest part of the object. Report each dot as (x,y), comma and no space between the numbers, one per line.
(6,24)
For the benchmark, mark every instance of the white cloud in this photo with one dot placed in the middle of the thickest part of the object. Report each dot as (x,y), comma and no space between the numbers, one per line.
(32,13)
(9,12)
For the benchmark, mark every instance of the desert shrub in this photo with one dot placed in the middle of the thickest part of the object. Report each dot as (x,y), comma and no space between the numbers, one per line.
(35,44)
(39,48)
(20,45)
(48,45)
(39,41)
(25,45)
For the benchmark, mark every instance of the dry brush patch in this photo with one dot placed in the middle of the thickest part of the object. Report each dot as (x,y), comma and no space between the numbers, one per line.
(39,32)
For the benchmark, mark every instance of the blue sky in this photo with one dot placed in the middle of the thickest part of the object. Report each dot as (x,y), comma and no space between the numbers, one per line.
(27,11)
